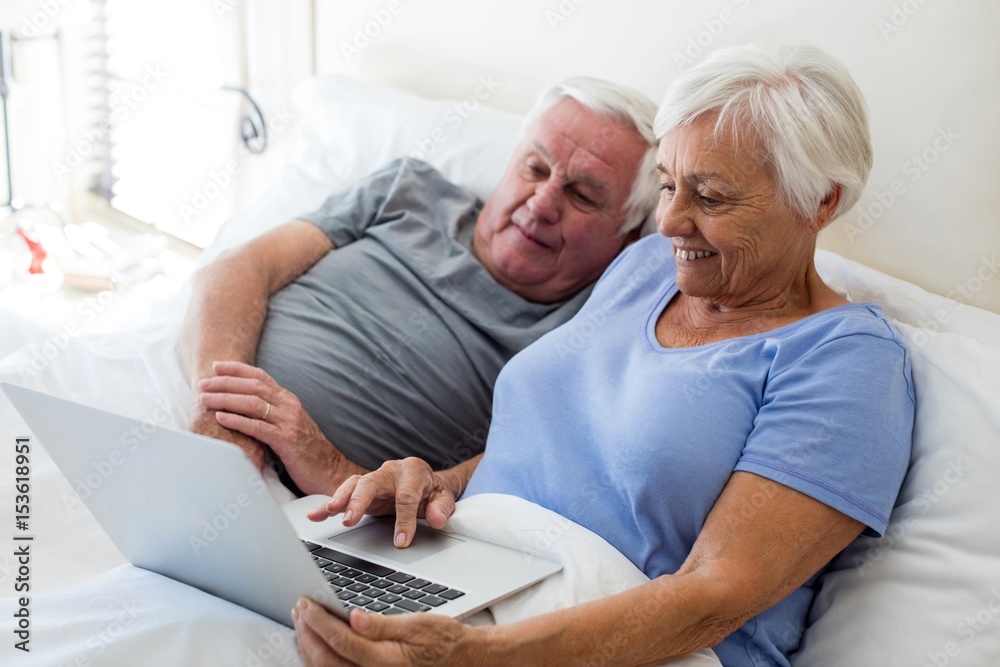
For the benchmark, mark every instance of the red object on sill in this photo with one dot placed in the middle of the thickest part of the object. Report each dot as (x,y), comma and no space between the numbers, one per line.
(38,253)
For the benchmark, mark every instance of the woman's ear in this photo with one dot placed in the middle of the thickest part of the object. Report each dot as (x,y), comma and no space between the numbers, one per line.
(826,209)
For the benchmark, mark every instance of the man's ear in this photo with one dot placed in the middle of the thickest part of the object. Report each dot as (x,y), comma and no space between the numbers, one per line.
(826,209)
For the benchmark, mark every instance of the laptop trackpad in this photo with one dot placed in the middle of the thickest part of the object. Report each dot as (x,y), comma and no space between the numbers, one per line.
(376,538)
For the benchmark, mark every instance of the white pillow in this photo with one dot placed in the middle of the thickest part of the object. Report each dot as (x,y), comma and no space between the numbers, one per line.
(928,593)
(348,128)
(351,128)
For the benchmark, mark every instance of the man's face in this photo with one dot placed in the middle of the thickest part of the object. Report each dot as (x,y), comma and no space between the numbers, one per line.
(551,226)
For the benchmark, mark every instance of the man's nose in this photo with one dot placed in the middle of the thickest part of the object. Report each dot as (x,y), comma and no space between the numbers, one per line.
(546,203)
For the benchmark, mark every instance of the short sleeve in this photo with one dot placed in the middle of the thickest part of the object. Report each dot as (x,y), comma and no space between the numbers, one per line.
(836,423)
(345,215)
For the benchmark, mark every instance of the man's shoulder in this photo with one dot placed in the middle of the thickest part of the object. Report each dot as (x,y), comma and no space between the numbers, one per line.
(411,173)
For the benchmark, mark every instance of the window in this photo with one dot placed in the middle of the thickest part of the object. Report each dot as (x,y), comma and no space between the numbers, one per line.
(163,132)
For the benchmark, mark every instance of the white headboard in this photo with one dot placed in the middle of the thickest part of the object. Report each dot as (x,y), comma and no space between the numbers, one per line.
(930,70)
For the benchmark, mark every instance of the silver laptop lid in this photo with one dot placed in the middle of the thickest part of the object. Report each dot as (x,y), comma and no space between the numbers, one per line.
(180,504)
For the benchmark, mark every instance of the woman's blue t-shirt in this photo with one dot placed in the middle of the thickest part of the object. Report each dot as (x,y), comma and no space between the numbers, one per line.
(600,423)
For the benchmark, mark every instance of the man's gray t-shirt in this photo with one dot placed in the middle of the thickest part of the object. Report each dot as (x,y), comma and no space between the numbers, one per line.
(393,341)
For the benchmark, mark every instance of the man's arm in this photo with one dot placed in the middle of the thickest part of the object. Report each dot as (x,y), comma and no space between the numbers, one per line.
(228,306)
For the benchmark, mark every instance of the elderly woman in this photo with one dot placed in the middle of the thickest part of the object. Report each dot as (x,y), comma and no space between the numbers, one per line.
(747,422)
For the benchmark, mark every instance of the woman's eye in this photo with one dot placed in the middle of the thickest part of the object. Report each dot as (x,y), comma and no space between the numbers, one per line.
(666,187)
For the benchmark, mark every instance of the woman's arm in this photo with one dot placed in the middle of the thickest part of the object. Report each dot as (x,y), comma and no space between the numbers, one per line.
(759,543)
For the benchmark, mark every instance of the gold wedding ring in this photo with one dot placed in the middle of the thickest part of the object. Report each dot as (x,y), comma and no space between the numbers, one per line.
(267,411)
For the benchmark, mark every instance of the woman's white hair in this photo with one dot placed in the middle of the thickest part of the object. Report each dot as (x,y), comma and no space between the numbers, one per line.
(798,101)
(622,104)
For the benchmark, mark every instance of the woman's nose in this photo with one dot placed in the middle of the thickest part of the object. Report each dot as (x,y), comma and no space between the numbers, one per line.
(673,218)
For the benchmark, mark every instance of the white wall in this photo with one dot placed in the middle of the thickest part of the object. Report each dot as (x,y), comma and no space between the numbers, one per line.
(930,70)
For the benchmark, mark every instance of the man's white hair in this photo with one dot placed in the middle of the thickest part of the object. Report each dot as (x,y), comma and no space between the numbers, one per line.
(802,105)
(622,104)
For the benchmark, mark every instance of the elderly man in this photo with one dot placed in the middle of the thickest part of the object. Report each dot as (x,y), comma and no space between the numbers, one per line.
(378,323)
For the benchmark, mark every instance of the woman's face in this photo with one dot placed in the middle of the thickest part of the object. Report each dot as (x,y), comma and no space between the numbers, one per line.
(735,241)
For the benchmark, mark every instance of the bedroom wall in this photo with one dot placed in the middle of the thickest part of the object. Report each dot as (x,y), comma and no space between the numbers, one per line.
(930,70)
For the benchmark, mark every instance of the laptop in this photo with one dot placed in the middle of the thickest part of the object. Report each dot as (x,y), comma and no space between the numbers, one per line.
(195,509)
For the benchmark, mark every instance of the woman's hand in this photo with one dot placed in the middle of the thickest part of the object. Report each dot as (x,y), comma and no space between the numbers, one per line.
(407,488)
(372,639)
(250,402)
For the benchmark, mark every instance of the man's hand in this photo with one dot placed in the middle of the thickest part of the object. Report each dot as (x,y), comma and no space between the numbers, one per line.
(407,488)
(250,402)
(205,423)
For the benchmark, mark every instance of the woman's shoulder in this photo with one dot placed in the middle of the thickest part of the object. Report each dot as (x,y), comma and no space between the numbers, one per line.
(650,255)
(853,319)
(856,335)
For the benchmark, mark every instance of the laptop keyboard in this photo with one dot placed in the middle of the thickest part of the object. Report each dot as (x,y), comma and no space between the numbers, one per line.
(365,585)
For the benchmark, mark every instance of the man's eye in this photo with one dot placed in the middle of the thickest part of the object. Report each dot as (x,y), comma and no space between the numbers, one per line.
(709,201)
(536,170)
(585,199)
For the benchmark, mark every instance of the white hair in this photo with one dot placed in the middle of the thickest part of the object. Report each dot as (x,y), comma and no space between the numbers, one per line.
(622,104)
(798,101)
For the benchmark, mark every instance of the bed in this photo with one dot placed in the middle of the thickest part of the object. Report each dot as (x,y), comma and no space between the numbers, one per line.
(928,593)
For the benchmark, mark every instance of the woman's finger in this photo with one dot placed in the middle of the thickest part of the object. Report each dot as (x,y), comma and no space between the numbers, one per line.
(413,484)
(348,646)
(440,506)
(337,502)
(315,651)
(378,484)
